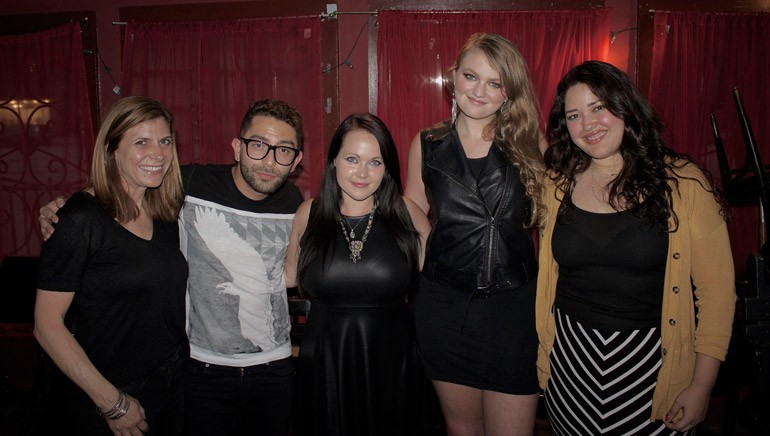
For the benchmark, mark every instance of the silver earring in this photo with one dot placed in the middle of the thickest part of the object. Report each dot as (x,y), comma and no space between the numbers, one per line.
(454,109)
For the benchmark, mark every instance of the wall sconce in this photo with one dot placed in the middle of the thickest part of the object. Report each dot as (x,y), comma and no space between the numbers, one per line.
(614,33)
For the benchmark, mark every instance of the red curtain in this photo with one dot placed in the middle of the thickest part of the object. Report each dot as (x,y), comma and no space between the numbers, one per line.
(698,58)
(415,49)
(208,73)
(46,137)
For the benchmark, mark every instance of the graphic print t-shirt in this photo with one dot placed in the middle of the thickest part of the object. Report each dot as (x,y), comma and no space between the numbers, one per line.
(237,308)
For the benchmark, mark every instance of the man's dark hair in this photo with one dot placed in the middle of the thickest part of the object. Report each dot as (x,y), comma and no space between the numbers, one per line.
(278,109)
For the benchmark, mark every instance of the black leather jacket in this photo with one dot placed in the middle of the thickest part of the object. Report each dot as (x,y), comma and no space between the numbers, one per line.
(478,242)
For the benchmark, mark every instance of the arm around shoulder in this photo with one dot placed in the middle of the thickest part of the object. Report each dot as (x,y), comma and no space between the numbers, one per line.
(48,217)
(292,253)
(415,188)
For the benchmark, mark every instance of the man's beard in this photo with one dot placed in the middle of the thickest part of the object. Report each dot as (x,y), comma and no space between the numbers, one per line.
(263,186)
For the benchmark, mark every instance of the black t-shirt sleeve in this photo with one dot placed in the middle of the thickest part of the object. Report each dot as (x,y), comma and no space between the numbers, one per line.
(293,197)
(64,257)
(187,172)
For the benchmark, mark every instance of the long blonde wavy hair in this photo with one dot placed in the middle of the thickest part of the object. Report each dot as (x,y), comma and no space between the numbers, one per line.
(516,124)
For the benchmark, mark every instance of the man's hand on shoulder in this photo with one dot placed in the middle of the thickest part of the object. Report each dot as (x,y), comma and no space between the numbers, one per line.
(48,216)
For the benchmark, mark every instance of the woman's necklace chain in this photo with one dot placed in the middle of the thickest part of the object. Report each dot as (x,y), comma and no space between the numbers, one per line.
(353,228)
(356,247)
(603,190)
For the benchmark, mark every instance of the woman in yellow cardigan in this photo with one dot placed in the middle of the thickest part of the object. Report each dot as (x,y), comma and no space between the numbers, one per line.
(635,239)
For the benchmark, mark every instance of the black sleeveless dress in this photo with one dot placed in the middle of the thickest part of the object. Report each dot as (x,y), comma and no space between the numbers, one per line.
(358,370)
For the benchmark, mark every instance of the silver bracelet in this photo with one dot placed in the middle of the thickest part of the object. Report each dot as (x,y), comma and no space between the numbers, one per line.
(122,411)
(121,397)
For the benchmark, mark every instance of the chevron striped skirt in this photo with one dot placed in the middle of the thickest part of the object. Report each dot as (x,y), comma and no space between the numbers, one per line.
(602,381)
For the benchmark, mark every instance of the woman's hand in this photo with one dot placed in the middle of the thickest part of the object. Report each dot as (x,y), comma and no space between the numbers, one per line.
(133,423)
(690,407)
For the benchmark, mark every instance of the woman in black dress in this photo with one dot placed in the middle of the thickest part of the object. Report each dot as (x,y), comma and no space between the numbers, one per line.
(356,251)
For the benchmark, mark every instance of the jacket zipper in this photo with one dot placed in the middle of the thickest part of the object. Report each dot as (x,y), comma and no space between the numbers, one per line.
(490,218)
(492,224)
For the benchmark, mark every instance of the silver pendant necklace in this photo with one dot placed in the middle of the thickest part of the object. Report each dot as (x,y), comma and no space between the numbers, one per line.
(353,228)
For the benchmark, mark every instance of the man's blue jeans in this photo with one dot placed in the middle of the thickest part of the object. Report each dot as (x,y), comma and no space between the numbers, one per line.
(225,400)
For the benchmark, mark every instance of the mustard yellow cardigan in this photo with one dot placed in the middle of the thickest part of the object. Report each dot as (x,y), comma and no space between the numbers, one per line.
(699,249)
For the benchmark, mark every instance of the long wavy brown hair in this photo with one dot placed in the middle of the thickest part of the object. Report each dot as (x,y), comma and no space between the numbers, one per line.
(648,163)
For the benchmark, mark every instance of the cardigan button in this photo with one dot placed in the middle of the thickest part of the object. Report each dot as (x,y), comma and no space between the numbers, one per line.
(664,351)
(677,255)
(676,289)
(671,322)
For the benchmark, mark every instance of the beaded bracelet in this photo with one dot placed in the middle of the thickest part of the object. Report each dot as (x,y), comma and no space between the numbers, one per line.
(121,397)
(122,411)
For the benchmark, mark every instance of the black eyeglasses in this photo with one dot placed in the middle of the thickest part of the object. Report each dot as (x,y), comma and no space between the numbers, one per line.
(258,150)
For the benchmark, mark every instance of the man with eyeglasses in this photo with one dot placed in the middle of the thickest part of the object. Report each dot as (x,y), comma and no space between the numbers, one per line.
(234,228)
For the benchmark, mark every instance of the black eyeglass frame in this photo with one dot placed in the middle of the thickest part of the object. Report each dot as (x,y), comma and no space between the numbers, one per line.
(274,148)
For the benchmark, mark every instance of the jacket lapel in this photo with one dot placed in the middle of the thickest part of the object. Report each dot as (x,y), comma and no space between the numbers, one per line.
(449,159)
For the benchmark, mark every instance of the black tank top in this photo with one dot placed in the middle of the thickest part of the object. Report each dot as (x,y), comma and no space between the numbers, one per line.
(611,269)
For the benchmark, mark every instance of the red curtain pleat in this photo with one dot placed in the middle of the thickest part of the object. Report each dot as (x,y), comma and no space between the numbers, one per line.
(208,73)
(415,49)
(46,137)
(698,58)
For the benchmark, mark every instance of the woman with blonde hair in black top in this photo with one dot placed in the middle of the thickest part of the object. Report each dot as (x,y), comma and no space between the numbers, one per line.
(479,177)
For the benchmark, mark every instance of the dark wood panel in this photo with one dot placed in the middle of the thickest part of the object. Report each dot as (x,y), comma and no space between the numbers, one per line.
(222,11)
(330,81)
(448,5)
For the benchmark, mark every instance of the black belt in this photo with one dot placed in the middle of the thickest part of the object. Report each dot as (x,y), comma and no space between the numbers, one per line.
(518,275)
(506,284)
(233,369)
